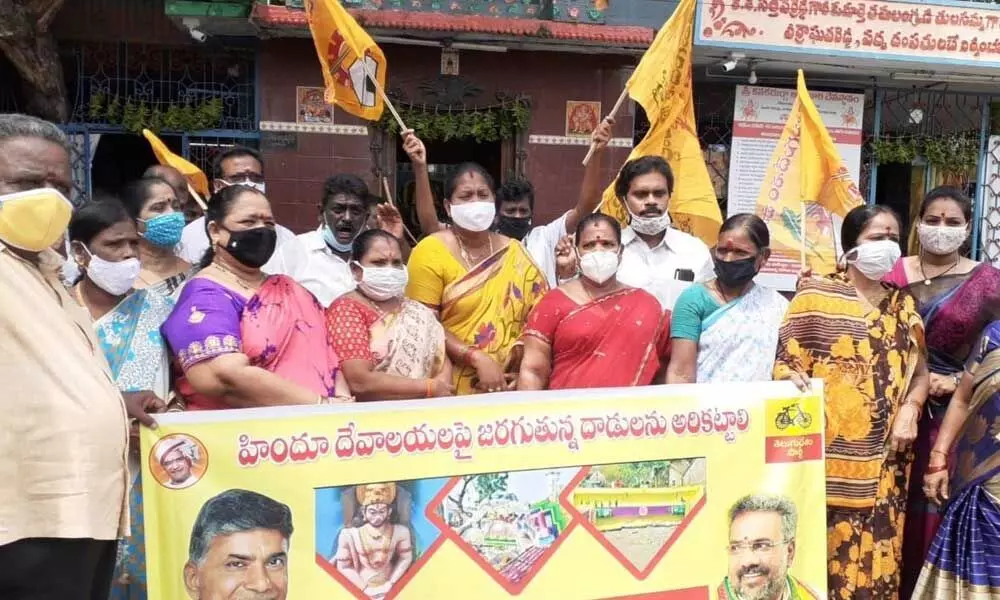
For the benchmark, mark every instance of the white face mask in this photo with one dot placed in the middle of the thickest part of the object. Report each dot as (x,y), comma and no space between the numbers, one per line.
(875,259)
(260,186)
(941,239)
(474,216)
(70,271)
(115,278)
(650,225)
(599,266)
(382,283)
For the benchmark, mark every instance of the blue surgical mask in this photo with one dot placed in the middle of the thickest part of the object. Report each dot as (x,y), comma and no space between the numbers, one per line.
(164,230)
(331,240)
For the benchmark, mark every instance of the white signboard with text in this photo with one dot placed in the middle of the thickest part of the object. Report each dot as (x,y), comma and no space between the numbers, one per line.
(760,116)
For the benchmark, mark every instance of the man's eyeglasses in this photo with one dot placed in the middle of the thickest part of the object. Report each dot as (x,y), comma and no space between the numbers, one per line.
(758,547)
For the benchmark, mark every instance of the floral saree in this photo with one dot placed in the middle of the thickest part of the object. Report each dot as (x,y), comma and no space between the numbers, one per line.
(867,359)
(964,558)
(485,306)
(619,340)
(955,309)
(408,342)
(130,338)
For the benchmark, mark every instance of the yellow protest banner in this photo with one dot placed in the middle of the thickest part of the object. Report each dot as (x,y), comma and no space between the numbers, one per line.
(676,493)
(805,183)
(661,84)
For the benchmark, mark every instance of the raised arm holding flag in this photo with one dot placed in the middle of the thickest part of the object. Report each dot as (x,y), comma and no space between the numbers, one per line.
(661,84)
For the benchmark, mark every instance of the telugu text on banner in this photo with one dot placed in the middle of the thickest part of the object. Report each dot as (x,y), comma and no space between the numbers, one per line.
(590,494)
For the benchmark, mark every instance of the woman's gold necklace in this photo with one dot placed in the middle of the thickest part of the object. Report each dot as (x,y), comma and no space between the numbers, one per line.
(240,281)
(465,253)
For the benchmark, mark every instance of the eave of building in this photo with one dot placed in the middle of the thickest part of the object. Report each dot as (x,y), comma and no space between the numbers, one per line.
(514,33)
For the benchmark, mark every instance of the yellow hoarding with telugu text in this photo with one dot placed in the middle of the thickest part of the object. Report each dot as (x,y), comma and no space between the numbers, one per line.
(673,492)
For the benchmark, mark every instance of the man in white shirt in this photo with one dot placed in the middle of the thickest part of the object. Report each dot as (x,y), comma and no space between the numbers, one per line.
(319,259)
(515,205)
(655,256)
(236,166)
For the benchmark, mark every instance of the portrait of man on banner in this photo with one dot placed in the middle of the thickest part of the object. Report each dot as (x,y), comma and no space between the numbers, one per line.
(239,548)
(762,529)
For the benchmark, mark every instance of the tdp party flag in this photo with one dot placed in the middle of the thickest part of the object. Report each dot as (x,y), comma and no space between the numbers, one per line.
(196,178)
(675,493)
(347,55)
(806,182)
(661,84)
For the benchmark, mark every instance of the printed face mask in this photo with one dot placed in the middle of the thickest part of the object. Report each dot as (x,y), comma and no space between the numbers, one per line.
(941,239)
(875,259)
(650,225)
(383,283)
(164,230)
(599,266)
(474,216)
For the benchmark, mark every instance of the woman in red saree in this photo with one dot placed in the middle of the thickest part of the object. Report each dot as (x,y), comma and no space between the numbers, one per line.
(594,331)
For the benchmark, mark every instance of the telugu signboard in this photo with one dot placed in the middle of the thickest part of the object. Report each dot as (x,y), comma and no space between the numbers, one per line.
(909,31)
(582,494)
(760,116)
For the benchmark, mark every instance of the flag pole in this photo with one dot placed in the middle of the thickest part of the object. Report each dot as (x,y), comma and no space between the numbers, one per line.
(802,246)
(388,197)
(197,197)
(381,92)
(611,115)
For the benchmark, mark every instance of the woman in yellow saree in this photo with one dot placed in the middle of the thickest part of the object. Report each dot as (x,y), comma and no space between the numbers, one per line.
(481,284)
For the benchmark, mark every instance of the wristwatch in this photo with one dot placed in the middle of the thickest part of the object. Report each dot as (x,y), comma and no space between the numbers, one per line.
(958,379)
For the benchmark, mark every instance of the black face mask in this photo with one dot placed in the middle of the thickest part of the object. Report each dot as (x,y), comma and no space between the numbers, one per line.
(736,273)
(252,247)
(514,227)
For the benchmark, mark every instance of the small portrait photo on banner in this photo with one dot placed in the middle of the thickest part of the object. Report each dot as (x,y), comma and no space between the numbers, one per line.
(178,461)
(239,548)
(762,533)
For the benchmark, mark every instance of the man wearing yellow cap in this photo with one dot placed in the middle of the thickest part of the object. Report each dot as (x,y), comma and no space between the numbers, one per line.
(374,553)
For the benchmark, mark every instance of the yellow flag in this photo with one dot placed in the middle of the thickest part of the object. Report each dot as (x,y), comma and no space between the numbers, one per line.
(164,156)
(806,174)
(347,55)
(661,84)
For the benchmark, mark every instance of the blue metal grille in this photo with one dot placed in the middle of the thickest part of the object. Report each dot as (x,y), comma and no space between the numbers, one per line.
(161,76)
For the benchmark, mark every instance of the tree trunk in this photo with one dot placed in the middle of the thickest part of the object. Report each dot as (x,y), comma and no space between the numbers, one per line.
(27,42)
